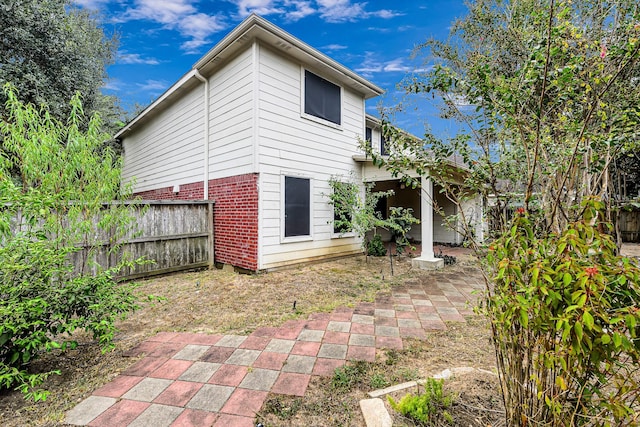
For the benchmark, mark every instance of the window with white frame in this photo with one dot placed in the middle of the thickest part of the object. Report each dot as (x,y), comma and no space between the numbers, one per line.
(322,98)
(297,207)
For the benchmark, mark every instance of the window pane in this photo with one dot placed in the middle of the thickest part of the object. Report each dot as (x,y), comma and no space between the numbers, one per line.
(297,207)
(321,98)
(368,136)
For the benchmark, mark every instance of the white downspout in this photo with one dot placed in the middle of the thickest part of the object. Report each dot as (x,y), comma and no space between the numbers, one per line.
(205,181)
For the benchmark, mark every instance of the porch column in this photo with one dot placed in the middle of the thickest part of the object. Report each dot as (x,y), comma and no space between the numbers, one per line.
(426,260)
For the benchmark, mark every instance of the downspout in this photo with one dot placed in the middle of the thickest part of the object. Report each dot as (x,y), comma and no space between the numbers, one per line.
(205,180)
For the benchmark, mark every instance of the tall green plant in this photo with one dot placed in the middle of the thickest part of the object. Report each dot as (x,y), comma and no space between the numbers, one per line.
(566,324)
(358,214)
(57,187)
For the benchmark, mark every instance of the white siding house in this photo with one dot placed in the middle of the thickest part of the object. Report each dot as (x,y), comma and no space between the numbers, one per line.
(259,125)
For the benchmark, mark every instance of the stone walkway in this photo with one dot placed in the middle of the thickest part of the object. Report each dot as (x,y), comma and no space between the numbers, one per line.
(187,379)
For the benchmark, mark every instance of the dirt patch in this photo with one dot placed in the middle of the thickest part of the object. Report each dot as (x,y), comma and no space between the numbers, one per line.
(224,302)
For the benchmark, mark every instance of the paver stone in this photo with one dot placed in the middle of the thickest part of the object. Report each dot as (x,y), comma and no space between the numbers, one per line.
(210,397)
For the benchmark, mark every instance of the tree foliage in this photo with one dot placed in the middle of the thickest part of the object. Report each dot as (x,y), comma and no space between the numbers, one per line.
(57,187)
(49,51)
(357,214)
(547,93)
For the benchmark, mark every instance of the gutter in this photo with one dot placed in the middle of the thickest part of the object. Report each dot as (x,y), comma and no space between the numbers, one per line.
(205,180)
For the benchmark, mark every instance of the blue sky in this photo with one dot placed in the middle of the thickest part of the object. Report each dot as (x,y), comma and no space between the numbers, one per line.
(161,39)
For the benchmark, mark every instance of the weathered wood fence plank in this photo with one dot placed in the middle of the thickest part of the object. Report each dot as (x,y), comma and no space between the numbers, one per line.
(172,235)
(629,225)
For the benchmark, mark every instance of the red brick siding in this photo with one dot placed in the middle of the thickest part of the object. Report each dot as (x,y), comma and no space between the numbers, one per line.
(235,215)
(193,191)
(235,220)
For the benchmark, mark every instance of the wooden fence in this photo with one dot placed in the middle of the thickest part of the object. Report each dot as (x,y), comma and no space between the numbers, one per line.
(172,235)
(629,225)
(628,222)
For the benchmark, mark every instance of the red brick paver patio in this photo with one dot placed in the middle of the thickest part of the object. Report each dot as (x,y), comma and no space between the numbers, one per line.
(187,379)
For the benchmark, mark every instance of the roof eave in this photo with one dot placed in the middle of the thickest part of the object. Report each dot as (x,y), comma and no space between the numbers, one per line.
(253,27)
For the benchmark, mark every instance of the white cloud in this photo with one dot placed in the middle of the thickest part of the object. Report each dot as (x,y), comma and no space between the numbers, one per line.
(396,65)
(200,25)
(134,58)
(334,47)
(303,8)
(193,46)
(91,4)
(180,15)
(112,84)
(166,12)
(371,66)
(341,10)
(385,14)
(460,101)
(336,11)
(154,85)
(261,7)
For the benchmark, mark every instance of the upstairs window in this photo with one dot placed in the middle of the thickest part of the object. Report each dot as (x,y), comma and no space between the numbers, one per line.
(321,98)
(367,136)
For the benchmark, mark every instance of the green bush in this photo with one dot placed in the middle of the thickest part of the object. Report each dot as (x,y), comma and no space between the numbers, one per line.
(54,182)
(428,408)
(375,246)
(565,322)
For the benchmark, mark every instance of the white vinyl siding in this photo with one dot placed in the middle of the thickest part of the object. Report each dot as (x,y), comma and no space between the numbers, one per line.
(441,233)
(292,144)
(167,150)
(231,127)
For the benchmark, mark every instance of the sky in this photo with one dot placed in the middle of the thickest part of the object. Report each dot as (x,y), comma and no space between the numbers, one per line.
(160,40)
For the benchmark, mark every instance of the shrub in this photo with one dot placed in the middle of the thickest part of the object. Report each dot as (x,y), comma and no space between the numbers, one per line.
(375,246)
(54,181)
(428,408)
(565,321)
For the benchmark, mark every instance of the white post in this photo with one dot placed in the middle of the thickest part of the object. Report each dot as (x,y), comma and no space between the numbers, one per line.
(426,260)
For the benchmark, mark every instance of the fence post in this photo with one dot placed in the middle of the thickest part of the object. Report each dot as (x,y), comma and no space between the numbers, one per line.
(211,234)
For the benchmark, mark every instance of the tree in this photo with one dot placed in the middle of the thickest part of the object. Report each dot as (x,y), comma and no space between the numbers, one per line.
(357,214)
(548,95)
(49,51)
(57,211)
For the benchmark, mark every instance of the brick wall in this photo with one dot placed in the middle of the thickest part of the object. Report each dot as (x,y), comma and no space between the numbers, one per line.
(193,191)
(235,215)
(235,220)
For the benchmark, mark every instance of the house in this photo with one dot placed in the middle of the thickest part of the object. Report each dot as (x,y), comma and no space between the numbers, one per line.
(259,125)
